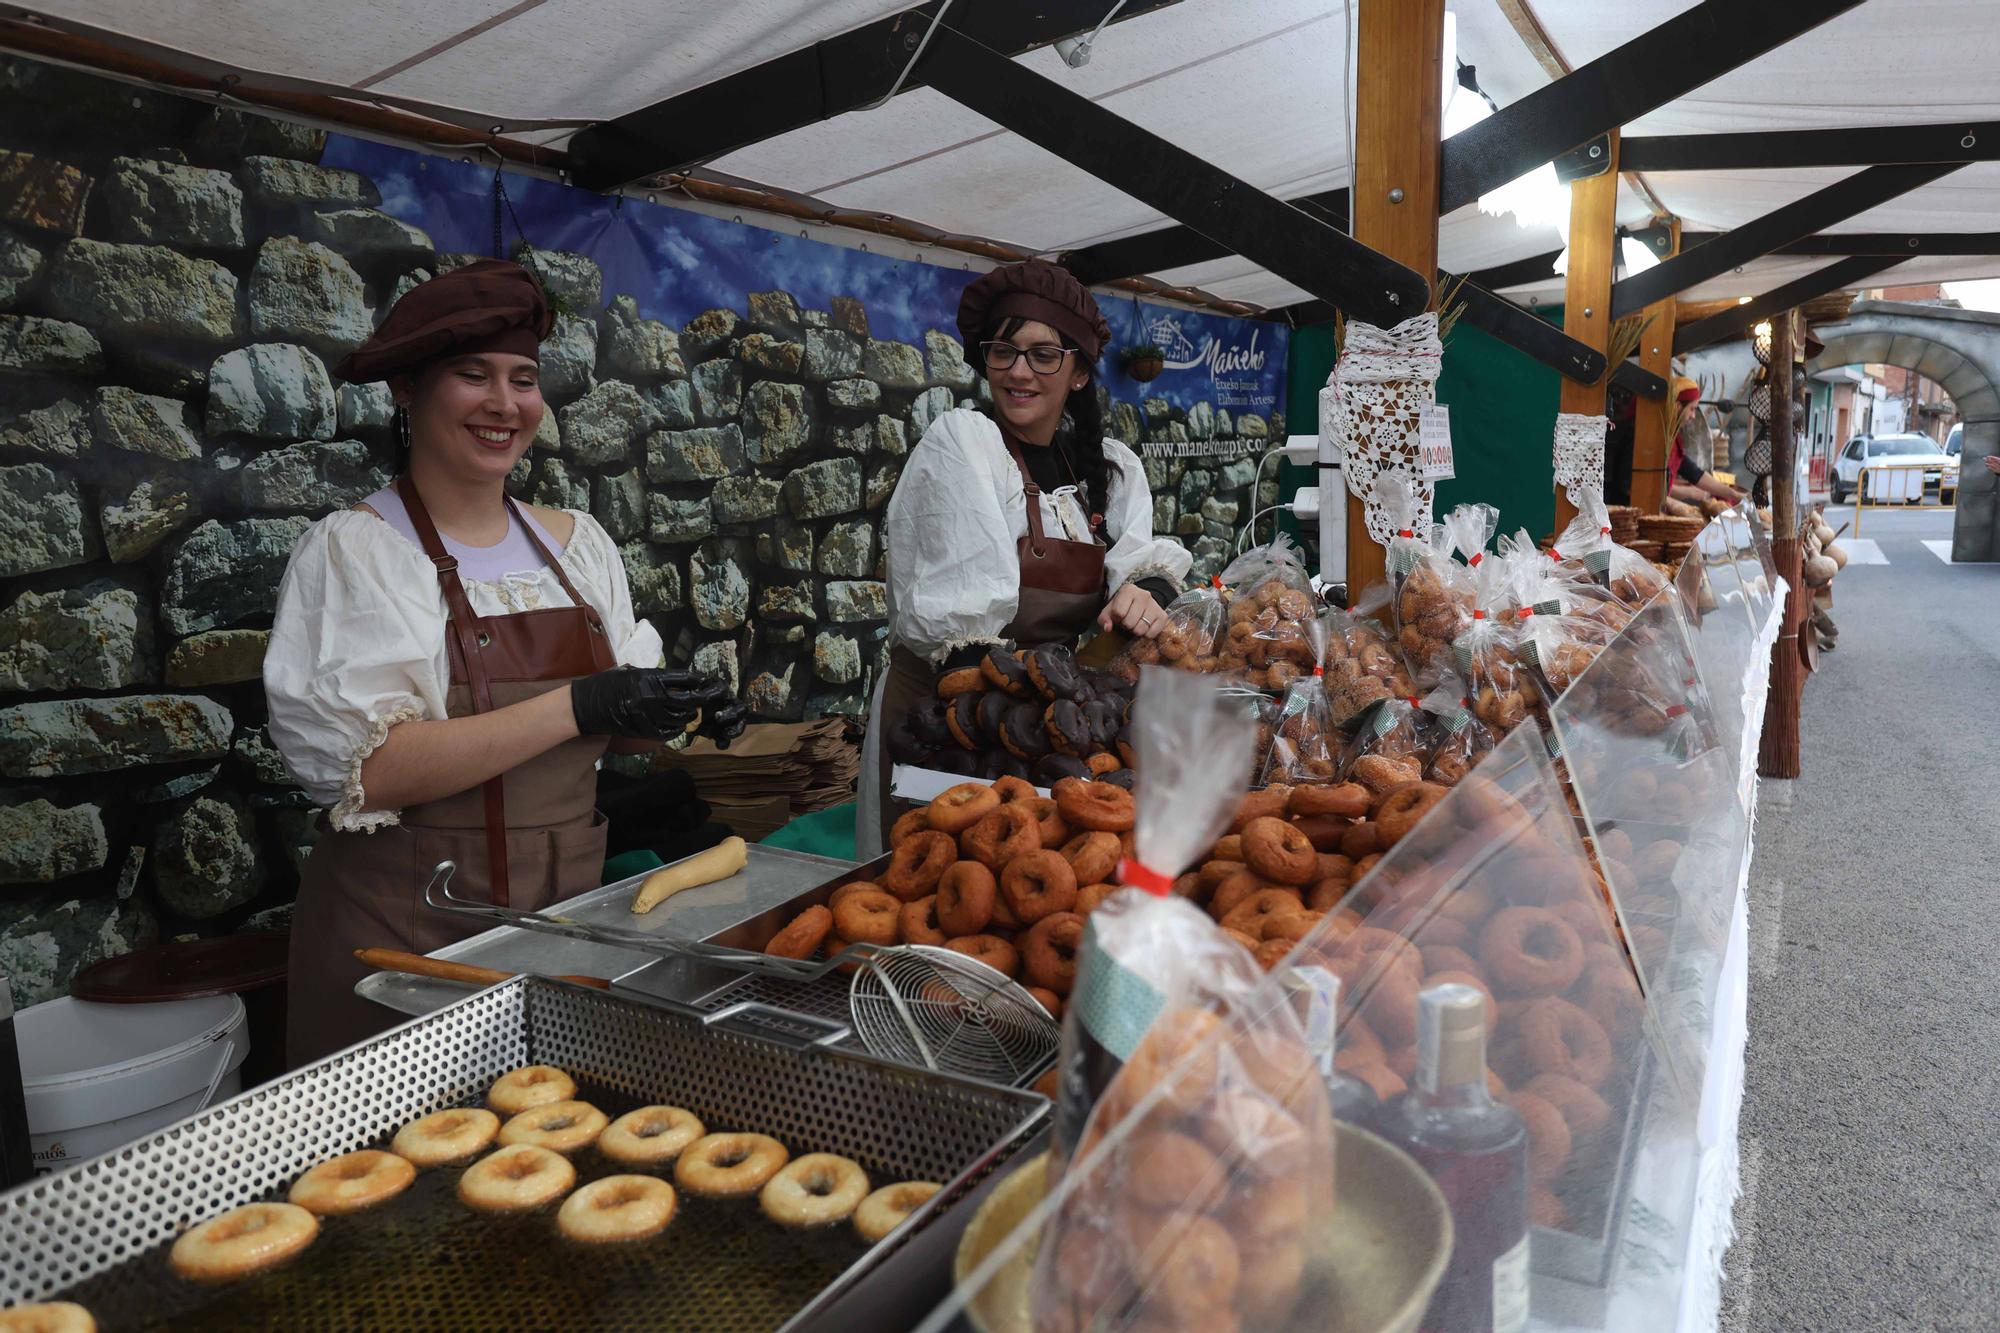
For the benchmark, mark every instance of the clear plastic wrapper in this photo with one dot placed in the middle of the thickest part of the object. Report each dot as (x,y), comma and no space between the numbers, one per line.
(1503,696)
(1459,740)
(1434,597)
(1586,548)
(1389,748)
(1560,627)
(1369,669)
(1196,623)
(1304,742)
(1193,1131)
(1270,603)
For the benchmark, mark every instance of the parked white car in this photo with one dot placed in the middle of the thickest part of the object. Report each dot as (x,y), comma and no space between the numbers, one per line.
(1870,450)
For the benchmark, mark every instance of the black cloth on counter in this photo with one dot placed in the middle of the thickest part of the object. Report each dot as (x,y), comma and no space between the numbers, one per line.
(659,813)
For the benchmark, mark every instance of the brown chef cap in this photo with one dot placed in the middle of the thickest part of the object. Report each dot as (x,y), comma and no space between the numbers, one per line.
(493,305)
(1034,290)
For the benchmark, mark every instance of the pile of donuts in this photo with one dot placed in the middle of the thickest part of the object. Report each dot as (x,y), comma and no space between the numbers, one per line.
(1258,633)
(998,873)
(1204,1219)
(1033,715)
(546,1127)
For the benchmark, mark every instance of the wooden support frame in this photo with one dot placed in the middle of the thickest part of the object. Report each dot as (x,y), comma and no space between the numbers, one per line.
(1778,754)
(1593,254)
(1399,57)
(1650,423)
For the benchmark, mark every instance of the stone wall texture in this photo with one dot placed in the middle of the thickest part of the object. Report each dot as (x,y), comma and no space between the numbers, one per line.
(175,281)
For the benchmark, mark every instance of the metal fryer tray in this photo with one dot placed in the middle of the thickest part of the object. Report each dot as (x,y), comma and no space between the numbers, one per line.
(901,1123)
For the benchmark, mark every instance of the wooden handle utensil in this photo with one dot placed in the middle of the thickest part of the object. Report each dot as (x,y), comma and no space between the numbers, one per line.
(416,964)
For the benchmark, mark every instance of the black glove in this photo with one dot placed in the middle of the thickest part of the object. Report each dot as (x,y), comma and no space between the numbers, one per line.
(652,704)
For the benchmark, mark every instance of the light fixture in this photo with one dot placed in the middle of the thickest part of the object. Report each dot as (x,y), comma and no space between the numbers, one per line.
(1760,340)
(1743,300)
(1075,51)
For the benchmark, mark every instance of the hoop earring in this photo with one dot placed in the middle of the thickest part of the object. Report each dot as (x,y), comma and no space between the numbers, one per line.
(399,426)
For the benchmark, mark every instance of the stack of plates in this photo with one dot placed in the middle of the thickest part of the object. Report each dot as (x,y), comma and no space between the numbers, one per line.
(1624,523)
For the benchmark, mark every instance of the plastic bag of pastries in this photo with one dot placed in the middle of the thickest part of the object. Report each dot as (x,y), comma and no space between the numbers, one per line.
(1196,623)
(1434,590)
(1555,633)
(1304,741)
(1194,1147)
(1270,601)
(1586,546)
(1502,693)
(1389,747)
(1458,739)
(1369,669)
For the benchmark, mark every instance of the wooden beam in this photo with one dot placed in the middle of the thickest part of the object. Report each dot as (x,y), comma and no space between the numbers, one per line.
(1778,756)
(1399,63)
(1650,422)
(1593,251)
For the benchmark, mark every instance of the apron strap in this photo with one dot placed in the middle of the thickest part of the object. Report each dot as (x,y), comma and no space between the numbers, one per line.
(466,628)
(555,567)
(1038,543)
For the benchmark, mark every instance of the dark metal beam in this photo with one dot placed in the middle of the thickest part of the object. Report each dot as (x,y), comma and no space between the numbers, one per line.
(818,82)
(1902,244)
(1865,146)
(1535,268)
(1527,332)
(1176,247)
(1736,320)
(1618,87)
(1639,380)
(1753,240)
(1231,212)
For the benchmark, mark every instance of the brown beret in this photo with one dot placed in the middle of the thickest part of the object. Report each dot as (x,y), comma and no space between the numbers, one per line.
(1035,290)
(493,305)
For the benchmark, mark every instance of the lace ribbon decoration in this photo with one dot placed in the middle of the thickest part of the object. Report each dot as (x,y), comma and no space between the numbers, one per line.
(1579,453)
(1369,407)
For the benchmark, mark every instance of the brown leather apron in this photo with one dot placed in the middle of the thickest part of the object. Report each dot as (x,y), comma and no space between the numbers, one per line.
(526,839)
(1062,591)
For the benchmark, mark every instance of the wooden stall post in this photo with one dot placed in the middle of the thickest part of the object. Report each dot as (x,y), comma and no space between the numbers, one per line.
(1649,426)
(1399,75)
(1593,248)
(1778,756)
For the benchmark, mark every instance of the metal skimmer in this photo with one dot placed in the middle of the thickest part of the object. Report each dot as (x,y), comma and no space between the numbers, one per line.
(100,1229)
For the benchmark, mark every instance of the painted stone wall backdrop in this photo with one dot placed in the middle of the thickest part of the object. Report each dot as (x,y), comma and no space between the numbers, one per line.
(175,280)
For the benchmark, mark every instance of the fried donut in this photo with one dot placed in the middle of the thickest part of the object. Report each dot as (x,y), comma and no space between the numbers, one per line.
(1049,949)
(1248,915)
(815,1190)
(516,1179)
(1293,926)
(1403,809)
(1164,1167)
(1178,1036)
(1097,806)
(563,1127)
(1272,801)
(1228,847)
(1545,1209)
(956,809)
(991,950)
(351,1182)
(910,824)
(868,917)
(1548,1137)
(1090,896)
(1185,1262)
(1347,800)
(649,1136)
(917,866)
(1445,957)
(964,680)
(918,922)
(1279,852)
(965,898)
(848,890)
(729,1166)
(243,1241)
(1102,766)
(961,720)
(1232,892)
(803,935)
(617,1209)
(1036,885)
(1053,768)
(1004,670)
(445,1136)
(1530,951)
(1270,953)
(1053,672)
(1609,994)
(1067,728)
(1383,1081)
(1011,790)
(1364,839)
(1583,1111)
(1560,1038)
(1324,832)
(47,1317)
(889,1207)
(1055,831)
(1022,734)
(529,1087)
(1049,1000)
(1380,774)
(1092,856)
(1001,834)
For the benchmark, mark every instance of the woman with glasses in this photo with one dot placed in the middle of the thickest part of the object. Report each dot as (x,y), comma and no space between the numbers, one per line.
(1026,526)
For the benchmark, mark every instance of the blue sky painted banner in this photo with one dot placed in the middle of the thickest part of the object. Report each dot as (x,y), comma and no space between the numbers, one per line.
(677,263)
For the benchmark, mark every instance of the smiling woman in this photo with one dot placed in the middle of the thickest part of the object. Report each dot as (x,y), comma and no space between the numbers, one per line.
(438,636)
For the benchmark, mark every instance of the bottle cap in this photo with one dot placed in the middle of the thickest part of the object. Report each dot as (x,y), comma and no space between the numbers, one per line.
(1451,1035)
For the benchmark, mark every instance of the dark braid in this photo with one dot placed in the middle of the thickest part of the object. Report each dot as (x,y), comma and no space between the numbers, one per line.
(1081,431)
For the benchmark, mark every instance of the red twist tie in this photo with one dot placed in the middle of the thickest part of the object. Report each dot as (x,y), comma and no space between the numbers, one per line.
(1677,710)
(1137,876)
(1215,581)
(1604,532)
(1477,556)
(1478,614)
(1405,532)
(1319,671)
(1412,701)
(1554,554)
(1524,613)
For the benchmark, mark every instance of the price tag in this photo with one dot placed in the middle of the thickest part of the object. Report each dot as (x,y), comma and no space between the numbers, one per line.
(1434,443)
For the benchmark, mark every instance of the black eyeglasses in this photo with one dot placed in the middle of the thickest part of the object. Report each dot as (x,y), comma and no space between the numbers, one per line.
(1043,358)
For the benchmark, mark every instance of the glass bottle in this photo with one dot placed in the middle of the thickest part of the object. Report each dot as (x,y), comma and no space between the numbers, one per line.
(1316,997)
(1476,1149)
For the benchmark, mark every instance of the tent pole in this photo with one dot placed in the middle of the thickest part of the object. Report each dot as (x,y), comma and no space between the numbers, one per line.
(1399,76)
(1593,248)
(1649,424)
(1779,754)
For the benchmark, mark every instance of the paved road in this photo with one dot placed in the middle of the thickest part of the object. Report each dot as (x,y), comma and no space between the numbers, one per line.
(1871,1125)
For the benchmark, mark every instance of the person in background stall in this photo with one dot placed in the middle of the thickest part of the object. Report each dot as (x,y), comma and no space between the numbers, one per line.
(961,580)
(1687,479)
(446,664)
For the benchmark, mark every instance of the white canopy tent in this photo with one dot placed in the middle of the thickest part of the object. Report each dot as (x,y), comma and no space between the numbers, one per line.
(1255,86)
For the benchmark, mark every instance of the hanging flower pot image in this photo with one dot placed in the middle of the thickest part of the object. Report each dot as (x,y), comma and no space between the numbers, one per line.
(1143,362)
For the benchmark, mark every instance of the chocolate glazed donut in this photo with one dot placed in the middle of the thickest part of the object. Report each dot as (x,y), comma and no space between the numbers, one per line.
(1054,673)
(1021,731)
(1005,671)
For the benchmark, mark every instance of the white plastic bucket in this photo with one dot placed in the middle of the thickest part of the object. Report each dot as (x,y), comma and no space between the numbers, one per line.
(98,1076)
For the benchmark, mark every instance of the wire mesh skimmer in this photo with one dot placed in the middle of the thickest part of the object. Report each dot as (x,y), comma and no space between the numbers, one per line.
(933,1007)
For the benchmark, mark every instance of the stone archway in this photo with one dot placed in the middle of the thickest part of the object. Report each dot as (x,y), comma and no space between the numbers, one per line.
(1960,349)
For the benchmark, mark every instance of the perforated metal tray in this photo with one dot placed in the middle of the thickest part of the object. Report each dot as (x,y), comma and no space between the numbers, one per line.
(107,1221)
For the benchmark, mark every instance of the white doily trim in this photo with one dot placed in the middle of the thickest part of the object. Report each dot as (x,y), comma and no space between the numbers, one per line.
(347,816)
(1579,456)
(1369,409)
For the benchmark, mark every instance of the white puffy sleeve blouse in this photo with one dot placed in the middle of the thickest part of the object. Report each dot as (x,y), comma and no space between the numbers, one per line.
(358,644)
(959,509)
